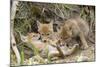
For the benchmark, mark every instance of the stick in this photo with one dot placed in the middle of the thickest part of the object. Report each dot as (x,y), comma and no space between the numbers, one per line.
(13,42)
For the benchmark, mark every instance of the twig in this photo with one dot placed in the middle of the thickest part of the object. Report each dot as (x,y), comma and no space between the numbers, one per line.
(13,42)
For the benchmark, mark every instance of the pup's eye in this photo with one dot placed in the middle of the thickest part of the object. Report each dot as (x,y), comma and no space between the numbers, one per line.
(47,33)
(39,32)
(34,35)
(70,28)
(42,34)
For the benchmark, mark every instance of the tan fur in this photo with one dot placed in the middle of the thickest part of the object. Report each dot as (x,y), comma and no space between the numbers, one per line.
(76,27)
(45,30)
(33,36)
(53,39)
(33,39)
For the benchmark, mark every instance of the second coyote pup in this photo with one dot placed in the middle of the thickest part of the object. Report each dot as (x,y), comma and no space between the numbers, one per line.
(73,28)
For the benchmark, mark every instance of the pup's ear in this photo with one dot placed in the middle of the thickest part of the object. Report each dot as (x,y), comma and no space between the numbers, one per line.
(51,23)
(38,23)
(59,29)
(24,38)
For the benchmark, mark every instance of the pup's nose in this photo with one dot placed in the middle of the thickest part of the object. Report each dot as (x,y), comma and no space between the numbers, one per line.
(44,41)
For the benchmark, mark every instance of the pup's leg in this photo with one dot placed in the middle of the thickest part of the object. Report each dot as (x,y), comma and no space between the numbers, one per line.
(83,41)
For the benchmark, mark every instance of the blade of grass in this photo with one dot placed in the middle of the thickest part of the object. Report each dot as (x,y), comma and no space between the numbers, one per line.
(22,55)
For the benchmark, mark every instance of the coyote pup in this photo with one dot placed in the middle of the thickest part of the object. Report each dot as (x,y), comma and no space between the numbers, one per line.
(33,38)
(45,30)
(73,28)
